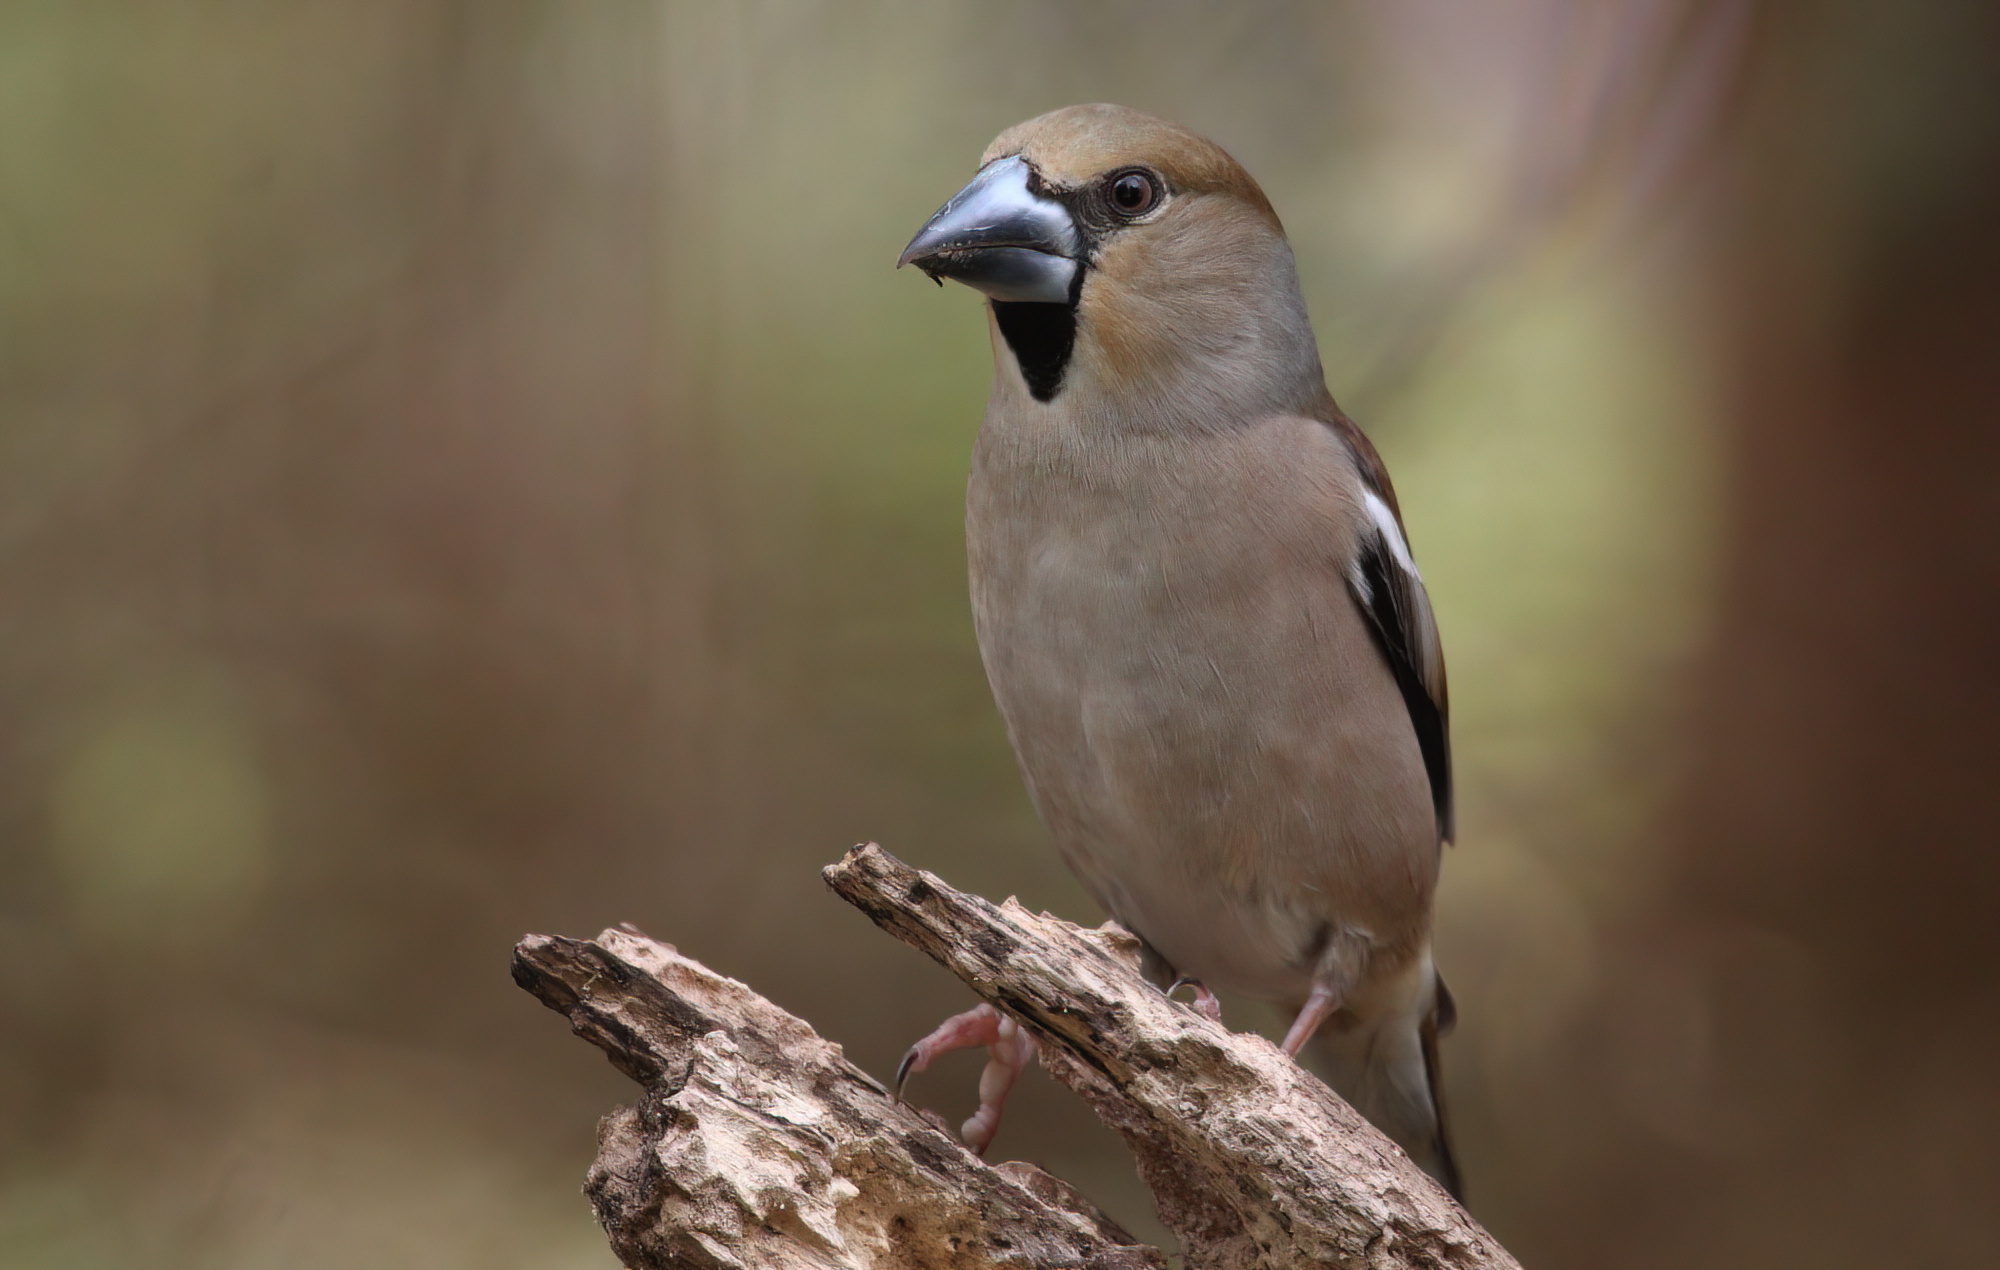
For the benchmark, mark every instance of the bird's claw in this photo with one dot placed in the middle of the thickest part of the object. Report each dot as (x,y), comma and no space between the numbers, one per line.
(1205,1002)
(1012,1050)
(970,1030)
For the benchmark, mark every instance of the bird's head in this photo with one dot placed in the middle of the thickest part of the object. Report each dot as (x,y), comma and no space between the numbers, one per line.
(1129,261)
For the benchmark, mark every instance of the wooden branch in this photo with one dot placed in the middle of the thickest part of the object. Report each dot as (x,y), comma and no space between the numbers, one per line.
(756,1144)
(1252,1160)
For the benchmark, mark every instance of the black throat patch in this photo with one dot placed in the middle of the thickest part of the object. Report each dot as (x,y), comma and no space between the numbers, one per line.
(1042,337)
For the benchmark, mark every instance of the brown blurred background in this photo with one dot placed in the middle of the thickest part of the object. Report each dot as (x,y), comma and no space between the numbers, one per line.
(467,467)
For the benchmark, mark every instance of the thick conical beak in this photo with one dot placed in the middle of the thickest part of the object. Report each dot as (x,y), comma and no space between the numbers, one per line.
(999,236)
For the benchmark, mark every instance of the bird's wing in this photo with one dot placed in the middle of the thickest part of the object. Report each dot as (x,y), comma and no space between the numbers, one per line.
(1384,580)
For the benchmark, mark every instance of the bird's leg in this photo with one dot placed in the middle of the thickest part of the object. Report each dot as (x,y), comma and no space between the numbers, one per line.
(1010,1050)
(1205,1002)
(1339,957)
(1320,1004)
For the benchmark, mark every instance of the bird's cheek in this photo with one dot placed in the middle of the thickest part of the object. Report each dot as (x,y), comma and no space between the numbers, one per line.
(1131,345)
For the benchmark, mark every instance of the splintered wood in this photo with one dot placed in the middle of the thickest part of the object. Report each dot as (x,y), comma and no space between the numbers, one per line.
(757,1144)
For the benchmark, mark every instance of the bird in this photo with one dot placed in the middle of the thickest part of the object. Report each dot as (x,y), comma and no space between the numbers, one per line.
(1197,607)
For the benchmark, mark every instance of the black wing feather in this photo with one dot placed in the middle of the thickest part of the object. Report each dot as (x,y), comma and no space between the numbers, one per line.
(1400,612)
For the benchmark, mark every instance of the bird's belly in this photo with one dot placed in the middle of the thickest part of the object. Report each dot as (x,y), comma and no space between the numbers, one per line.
(1214,743)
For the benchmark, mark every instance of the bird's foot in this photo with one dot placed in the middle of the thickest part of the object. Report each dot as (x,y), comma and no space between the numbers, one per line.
(1205,1002)
(1010,1050)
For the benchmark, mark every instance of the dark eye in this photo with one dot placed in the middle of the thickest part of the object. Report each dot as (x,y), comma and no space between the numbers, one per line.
(1134,193)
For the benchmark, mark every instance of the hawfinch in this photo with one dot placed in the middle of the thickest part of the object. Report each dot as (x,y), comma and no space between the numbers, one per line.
(1196,605)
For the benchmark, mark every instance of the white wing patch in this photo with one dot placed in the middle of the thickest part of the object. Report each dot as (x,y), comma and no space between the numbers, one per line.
(1392,533)
(1384,577)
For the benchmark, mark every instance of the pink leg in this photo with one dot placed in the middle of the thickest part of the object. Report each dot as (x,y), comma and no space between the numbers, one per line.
(1205,1002)
(1011,1051)
(1322,1002)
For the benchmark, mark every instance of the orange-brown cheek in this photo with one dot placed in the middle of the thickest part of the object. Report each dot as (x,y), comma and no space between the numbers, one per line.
(1126,336)
(1124,354)
(1107,329)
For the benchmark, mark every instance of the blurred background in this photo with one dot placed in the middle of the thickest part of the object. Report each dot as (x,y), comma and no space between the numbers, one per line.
(467,467)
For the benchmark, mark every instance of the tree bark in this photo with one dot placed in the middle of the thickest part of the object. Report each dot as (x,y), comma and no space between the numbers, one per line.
(757,1144)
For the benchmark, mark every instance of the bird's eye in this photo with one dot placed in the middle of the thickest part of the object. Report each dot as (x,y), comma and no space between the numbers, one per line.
(1134,193)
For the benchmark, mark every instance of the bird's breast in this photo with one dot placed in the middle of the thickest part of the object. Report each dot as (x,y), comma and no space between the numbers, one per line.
(1203,718)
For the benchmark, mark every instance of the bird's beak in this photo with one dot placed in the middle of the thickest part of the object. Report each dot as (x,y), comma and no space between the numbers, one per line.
(998,236)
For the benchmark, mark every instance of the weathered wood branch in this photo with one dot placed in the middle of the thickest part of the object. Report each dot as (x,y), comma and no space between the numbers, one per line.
(1252,1160)
(757,1144)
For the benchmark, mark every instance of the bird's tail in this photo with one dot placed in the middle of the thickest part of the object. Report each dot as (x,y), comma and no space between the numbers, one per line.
(1386,1066)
